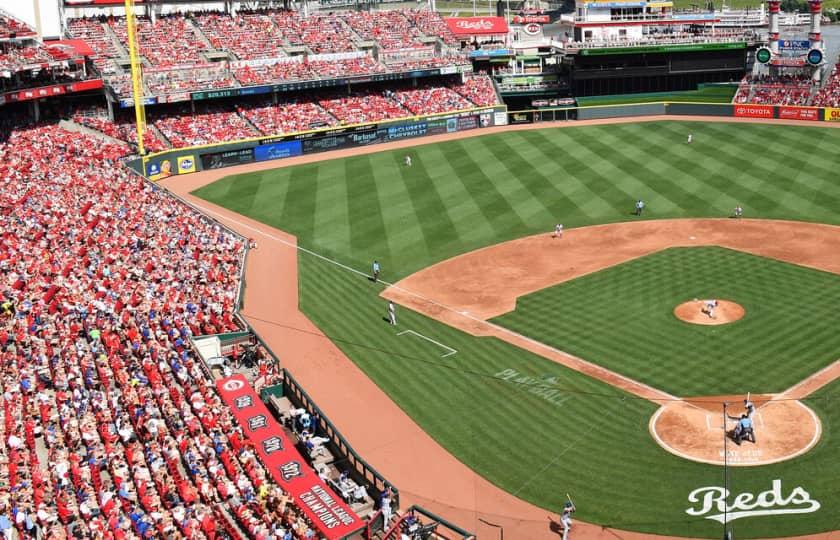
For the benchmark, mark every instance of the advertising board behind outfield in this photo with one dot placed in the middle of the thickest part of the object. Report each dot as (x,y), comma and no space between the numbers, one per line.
(832,115)
(754,111)
(799,113)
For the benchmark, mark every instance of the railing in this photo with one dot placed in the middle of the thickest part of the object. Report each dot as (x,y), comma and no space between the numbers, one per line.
(451,531)
(292,390)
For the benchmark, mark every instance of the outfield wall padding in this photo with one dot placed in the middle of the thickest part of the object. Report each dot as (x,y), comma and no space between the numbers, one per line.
(619,111)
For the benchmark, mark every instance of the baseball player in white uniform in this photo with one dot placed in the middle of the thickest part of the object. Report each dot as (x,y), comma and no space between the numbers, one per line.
(408,161)
(392,314)
(710,307)
(750,407)
(558,231)
(566,518)
(690,138)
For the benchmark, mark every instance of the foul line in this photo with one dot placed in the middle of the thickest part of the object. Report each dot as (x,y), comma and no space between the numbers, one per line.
(665,396)
(439,344)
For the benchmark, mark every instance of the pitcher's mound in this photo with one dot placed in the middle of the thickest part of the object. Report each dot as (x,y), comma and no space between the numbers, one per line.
(694,429)
(696,312)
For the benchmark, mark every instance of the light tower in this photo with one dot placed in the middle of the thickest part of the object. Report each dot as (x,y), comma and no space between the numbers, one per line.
(773,8)
(136,76)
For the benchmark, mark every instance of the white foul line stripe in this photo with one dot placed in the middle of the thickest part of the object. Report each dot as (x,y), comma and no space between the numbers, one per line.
(439,344)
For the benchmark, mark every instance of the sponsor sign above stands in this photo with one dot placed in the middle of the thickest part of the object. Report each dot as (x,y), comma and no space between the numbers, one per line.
(527,19)
(683,47)
(482,53)
(614,4)
(323,83)
(53,90)
(799,113)
(330,515)
(794,44)
(754,111)
(477,26)
(832,115)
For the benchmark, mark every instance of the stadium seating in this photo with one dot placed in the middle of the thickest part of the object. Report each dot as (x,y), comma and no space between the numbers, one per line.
(321,33)
(209,125)
(829,94)
(123,130)
(296,115)
(248,36)
(767,90)
(391,29)
(431,100)
(171,41)
(109,427)
(479,90)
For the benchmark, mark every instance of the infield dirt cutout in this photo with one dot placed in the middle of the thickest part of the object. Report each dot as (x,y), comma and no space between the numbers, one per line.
(468,290)
(696,312)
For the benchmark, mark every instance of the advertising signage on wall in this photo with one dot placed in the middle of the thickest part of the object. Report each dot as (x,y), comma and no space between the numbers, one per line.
(312,84)
(799,113)
(754,111)
(217,160)
(832,115)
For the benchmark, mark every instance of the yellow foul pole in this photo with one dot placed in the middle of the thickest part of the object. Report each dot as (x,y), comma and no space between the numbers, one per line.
(136,76)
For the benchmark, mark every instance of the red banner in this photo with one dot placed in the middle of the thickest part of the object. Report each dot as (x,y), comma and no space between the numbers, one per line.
(477,26)
(799,113)
(754,111)
(328,513)
(54,90)
(525,19)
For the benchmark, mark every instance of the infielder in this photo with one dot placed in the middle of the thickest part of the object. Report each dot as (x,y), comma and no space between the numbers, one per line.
(566,518)
(558,231)
(738,211)
(375,271)
(640,205)
(392,313)
(710,306)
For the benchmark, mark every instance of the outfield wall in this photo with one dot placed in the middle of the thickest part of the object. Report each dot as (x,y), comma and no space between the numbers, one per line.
(782,112)
(216,156)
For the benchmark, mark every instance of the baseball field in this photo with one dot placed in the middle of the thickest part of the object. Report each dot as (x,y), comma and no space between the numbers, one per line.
(517,376)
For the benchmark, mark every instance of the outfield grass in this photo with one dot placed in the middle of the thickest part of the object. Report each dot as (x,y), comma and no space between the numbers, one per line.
(591,440)
(709,94)
(622,318)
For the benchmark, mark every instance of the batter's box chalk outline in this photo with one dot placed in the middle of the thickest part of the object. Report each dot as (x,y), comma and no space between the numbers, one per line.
(438,343)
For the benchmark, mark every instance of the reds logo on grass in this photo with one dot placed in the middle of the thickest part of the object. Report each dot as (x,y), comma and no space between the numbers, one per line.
(767,503)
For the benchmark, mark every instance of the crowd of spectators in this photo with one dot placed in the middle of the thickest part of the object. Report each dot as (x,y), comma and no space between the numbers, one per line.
(391,29)
(109,426)
(478,89)
(122,130)
(321,33)
(249,36)
(794,89)
(829,94)
(207,125)
(297,114)
(427,99)
(292,113)
(93,33)
(360,108)
(9,26)
(185,43)
(161,82)
(171,41)
(16,55)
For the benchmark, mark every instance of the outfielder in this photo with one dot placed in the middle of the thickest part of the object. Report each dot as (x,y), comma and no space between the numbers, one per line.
(408,161)
(690,138)
(566,518)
